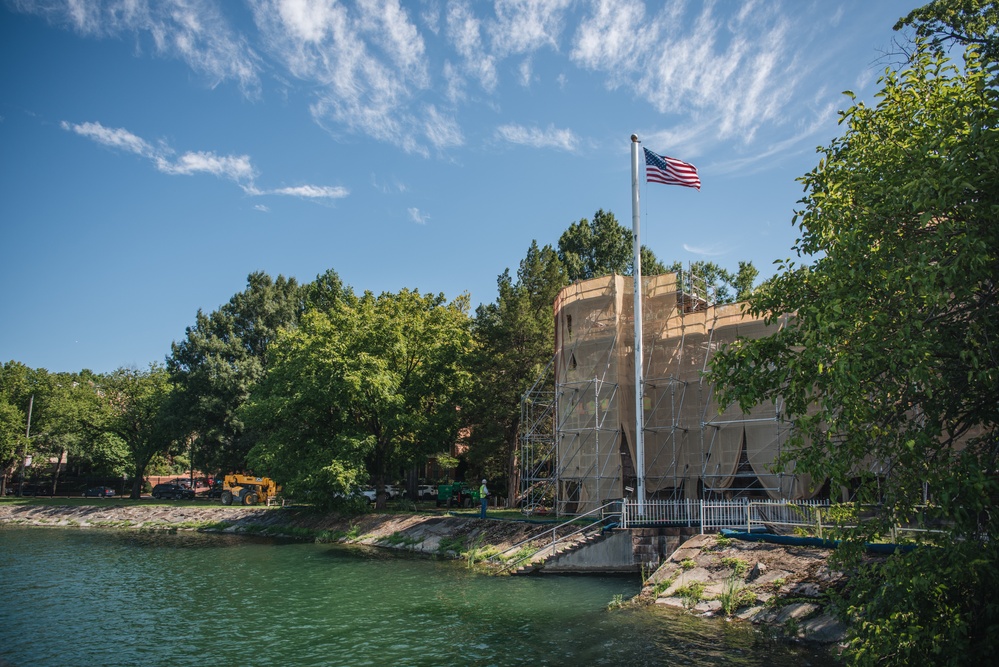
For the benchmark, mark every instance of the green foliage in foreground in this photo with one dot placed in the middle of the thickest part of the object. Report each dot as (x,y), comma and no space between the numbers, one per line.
(932,606)
(889,366)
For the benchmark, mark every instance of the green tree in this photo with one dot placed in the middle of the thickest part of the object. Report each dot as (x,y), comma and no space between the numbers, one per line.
(718,284)
(600,247)
(220,360)
(962,22)
(134,409)
(66,412)
(362,391)
(515,340)
(890,368)
(15,394)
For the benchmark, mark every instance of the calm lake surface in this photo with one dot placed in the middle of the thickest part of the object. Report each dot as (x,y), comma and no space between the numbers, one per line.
(102,597)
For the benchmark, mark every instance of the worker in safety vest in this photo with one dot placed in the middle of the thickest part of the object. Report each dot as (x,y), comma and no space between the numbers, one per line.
(483,495)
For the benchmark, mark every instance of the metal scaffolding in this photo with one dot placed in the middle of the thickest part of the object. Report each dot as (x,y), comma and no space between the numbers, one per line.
(583,447)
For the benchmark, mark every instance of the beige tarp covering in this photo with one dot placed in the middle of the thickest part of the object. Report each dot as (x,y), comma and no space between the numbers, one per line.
(691,443)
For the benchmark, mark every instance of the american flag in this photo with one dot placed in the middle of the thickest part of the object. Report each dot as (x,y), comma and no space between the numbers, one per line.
(669,170)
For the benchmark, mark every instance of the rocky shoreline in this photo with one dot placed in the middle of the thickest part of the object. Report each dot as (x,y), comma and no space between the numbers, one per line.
(420,533)
(784,590)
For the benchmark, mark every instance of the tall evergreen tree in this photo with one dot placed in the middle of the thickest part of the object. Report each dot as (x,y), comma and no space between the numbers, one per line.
(219,361)
(515,339)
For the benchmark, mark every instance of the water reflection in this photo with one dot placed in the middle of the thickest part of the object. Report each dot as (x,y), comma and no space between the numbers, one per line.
(119,597)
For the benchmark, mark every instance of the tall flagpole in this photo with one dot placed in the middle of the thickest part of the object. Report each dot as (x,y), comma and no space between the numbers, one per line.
(636,218)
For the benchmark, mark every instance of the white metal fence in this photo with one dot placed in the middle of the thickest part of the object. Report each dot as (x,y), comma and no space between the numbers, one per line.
(709,515)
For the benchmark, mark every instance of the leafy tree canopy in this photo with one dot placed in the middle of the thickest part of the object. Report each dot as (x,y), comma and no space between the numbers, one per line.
(961,22)
(370,387)
(889,367)
(719,285)
(134,404)
(221,358)
(600,247)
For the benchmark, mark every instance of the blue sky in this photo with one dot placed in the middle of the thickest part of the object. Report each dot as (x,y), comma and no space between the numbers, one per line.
(153,153)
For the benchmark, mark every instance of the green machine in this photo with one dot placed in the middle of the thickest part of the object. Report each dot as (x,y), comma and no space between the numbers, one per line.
(457,494)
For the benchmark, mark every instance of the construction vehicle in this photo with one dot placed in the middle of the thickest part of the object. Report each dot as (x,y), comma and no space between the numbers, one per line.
(248,490)
(457,494)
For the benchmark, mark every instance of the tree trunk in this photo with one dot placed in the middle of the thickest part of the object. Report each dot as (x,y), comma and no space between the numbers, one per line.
(137,482)
(513,480)
(413,484)
(55,477)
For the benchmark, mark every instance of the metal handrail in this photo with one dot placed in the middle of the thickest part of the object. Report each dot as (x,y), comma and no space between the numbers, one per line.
(555,538)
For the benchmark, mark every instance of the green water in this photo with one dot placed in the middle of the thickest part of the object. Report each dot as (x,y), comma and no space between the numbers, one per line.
(96,597)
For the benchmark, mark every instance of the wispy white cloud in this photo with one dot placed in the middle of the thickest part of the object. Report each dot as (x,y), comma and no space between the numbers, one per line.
(113,137)
(388,188)
(312,191)
(524,26)
(418,216)
(606,39)
(705,251)
(526,72)
(464,30)
(236,168)
(740,72)
(723,72)
(442,130)
(194,31)
(367,63)
(552,137)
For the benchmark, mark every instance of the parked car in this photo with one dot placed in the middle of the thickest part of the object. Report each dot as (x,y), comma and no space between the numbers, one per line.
(99,492)
(36,490)
(175,491)
(426,492)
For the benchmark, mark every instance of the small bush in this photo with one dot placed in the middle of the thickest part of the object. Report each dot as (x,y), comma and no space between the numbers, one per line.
(735,596)
(739,566)
(691,593)
(661,586)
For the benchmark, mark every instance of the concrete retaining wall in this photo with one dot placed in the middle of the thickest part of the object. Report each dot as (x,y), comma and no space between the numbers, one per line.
(629,550)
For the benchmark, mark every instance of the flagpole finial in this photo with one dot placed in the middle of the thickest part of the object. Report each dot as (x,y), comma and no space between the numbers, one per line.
(634,138)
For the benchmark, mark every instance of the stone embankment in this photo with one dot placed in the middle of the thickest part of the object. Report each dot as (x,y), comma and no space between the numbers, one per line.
(443,535)
(780,587)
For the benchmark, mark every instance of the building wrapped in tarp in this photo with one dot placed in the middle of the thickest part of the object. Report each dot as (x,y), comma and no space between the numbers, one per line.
(694,447)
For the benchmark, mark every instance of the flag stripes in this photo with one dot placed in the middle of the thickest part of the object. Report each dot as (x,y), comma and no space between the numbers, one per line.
(670,171)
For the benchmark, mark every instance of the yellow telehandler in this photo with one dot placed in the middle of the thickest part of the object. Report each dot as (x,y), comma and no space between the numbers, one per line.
(248,490)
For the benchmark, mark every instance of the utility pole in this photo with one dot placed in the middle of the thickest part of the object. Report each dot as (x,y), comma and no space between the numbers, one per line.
(27,442)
